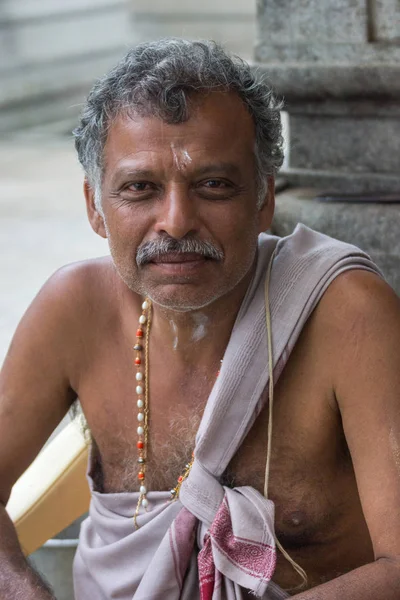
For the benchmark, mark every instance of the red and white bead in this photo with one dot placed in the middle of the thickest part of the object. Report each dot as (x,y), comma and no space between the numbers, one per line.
(141,405)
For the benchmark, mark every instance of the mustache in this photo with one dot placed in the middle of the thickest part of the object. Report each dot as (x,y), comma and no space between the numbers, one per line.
(154,249)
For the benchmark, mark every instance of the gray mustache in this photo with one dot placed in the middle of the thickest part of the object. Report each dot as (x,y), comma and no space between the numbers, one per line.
(154,249)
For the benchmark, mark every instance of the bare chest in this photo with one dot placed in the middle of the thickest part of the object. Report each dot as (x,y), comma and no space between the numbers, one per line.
(303,460)
(312,482)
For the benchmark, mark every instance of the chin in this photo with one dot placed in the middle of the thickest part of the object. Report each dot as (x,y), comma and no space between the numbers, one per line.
(171,296)
(181,301)
(183,295)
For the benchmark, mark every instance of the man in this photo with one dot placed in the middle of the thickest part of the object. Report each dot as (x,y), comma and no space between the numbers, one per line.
(180,144)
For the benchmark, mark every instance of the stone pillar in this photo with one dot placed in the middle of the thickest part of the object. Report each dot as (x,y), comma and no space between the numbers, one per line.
(337,64)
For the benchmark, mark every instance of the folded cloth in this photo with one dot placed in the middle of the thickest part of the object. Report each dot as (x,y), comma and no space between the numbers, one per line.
(216,543)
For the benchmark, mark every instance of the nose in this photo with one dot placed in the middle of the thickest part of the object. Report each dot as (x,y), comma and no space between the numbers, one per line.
(177,216)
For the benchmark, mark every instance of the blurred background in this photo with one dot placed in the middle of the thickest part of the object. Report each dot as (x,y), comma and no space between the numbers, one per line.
(335,63)
(51,51)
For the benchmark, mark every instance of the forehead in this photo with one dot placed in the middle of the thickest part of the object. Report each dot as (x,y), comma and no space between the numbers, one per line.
(219,127)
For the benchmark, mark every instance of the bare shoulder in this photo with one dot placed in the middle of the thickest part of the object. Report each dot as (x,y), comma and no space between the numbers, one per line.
(357,324)
(76,282)
(72,293)
(58,315)
(357,302)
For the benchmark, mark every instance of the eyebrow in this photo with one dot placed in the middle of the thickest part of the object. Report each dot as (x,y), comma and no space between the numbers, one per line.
(225,167)
(221,167)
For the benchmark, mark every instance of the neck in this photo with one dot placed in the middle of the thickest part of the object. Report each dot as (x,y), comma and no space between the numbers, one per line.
(198,337)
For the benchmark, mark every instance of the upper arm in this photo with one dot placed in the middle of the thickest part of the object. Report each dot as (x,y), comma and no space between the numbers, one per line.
(365,334)
(35,382)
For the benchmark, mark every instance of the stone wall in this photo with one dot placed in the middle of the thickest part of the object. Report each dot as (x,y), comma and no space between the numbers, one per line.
(50,52)
(321,31)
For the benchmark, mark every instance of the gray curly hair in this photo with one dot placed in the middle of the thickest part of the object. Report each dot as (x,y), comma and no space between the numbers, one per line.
(156,79)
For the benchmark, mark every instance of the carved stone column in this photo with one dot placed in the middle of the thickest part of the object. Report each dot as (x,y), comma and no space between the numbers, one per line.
(337,65)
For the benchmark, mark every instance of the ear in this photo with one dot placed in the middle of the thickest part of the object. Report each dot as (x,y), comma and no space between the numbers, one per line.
(266,213)
(96,220)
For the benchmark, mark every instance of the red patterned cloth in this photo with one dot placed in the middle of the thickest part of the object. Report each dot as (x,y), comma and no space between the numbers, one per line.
(226,552)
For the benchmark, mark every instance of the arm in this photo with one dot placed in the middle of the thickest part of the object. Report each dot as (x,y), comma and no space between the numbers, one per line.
(35,394)
(17,579)
(361,317)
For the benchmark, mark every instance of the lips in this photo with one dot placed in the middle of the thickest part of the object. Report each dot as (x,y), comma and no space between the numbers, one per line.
(178,257)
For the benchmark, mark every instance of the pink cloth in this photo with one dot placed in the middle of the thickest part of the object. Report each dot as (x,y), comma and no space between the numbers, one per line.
(216,543)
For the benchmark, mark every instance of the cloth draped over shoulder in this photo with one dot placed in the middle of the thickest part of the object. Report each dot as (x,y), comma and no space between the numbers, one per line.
(216,543)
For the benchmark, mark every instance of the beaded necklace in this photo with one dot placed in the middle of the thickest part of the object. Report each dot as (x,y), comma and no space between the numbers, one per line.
(142,392)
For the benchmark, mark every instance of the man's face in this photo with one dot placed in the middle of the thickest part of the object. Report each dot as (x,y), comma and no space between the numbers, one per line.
(194,180)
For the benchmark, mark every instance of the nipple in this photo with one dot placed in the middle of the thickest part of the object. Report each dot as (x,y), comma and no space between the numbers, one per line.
(296,518)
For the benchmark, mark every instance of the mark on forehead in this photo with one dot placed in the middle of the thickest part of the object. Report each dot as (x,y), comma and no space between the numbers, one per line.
(181,157)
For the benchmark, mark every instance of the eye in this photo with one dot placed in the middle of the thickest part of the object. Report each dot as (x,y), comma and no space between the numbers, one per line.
(138,191)
(216,189)
(214,184)
(139,186)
